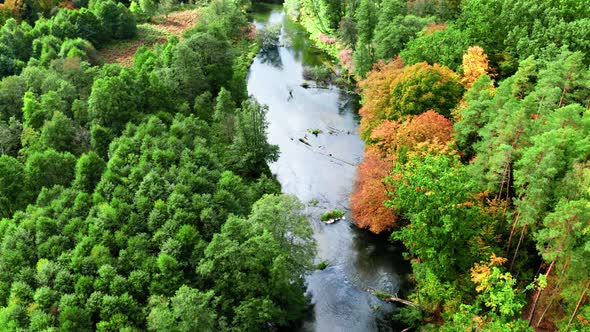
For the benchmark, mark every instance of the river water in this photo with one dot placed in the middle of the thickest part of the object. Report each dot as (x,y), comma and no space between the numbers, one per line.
(323,171)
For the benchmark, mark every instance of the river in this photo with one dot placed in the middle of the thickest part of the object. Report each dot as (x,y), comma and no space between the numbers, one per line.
(324,171)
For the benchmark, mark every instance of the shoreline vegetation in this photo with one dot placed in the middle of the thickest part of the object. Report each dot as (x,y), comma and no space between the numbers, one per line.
(332,216)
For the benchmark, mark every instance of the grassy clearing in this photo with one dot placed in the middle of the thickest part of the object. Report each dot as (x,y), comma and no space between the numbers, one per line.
(149,34)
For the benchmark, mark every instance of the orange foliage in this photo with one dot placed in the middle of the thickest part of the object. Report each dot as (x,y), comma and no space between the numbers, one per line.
(68,4)
(394,92)
(475,64)
(428,132)
(16,7)
(367,200)
(376,93)
(432,27)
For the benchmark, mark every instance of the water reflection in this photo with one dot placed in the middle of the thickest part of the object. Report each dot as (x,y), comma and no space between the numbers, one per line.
(272,57)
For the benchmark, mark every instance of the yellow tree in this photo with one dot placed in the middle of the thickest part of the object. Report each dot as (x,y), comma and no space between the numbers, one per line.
(475,64)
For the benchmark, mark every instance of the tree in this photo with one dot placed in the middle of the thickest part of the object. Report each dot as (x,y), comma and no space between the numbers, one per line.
(255,263)
(427,133)
(113,102)
(189,310)
(446,223)
(48,168)
(12,185)
(475,64)
(10,136)
(250,150)
(148,7)
(498,303)
(392,33)
(393,93)
(89,169)
(58,133)
(366,18)
(445,47)
(116,20)
(370,192)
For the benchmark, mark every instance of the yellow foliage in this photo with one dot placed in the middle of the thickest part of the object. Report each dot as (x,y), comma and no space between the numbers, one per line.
(475,64)
(481,273)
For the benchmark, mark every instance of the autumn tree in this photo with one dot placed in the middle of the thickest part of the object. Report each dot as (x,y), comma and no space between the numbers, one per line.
(427,133)
(475,64)
(498,303)
(391,92)
(375,94)
(370,192)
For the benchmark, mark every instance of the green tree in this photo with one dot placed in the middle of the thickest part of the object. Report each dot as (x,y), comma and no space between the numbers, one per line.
(12,185)
(89,168)
(189,310)
(58,133)
(445,47)
(364,55)
(279,245)
(48,168)
(250,150)
(392,33)
(445,221)
(10,136)
(113,101)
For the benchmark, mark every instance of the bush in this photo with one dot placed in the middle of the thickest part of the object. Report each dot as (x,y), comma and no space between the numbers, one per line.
(330,215)
(320,74)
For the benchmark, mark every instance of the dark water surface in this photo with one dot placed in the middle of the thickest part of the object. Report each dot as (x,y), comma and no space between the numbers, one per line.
(324,172)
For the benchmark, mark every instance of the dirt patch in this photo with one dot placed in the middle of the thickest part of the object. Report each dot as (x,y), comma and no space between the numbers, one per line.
(177,22)
(149,34)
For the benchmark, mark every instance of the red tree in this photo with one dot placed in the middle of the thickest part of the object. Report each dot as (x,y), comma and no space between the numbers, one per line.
(370,192)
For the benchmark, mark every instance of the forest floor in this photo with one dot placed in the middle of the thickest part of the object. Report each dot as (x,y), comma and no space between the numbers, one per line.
(149,34)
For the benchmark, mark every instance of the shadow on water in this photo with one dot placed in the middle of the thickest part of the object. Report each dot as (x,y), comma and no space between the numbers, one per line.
(272,57)
(323,170)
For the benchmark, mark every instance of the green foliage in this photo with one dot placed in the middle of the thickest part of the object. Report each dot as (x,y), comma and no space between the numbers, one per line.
(392,34)
(250,150)
(334,214)
(277,241)
(12,185)
(58,133)
(189,310)
(116,20)
(113,101)
(445,47)
(49,168)
(445,220)
(89,169)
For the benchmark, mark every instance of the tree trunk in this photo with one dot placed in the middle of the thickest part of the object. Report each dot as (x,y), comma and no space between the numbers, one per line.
(506,200)
(539,292)
(577,306)
(565,266)
(518,246)
(511,236)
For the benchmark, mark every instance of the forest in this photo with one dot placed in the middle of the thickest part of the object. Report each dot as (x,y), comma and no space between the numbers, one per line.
(476,120)
(139,197)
